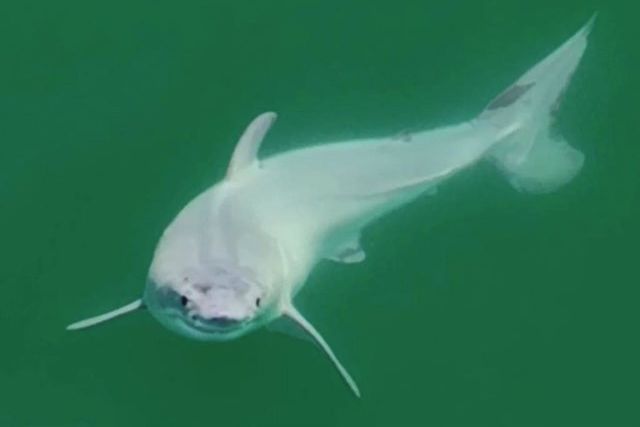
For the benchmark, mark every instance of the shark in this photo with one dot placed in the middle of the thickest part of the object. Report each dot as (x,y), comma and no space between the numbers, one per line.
(235,257)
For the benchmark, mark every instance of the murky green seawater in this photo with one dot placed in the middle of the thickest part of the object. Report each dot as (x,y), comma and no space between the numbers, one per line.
(481,306)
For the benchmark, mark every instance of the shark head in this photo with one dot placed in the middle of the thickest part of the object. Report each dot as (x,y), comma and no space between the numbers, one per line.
(216,274)
(218,303)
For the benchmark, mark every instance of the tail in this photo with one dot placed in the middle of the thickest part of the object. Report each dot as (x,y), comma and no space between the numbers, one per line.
(533,157)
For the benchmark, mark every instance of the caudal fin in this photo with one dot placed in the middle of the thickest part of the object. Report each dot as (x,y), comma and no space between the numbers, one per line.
(534,158)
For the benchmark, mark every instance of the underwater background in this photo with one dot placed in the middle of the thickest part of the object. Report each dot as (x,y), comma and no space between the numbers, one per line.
(479,307)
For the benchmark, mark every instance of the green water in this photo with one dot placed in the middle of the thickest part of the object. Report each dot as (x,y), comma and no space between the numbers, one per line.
(481,306)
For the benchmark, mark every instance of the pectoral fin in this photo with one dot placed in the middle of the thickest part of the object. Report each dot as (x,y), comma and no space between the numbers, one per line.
(284,325)
(86,323)
(292,313)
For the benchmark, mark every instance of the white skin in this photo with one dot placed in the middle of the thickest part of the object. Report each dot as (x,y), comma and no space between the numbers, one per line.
(235,257)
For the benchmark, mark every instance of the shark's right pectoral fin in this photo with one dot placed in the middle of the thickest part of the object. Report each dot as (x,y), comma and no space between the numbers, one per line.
(292,313)
(92,321)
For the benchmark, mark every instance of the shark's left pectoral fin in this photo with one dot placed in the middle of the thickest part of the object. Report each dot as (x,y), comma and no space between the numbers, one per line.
(92,321)
(246,152)
(292,313)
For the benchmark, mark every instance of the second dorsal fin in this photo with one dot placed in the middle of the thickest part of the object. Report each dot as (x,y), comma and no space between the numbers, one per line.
(246,151)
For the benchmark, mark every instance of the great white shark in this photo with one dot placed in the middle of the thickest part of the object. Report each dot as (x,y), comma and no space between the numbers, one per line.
(235,257)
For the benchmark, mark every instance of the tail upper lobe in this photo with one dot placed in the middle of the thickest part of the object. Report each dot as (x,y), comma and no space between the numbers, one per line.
(533,157)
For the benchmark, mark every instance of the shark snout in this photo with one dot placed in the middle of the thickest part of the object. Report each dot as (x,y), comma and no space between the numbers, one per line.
(219,305)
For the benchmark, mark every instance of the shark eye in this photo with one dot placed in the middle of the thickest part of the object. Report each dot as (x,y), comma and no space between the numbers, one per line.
(184,300)
(258,302)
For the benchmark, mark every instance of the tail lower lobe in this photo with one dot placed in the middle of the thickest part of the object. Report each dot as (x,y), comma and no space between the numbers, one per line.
(533,157)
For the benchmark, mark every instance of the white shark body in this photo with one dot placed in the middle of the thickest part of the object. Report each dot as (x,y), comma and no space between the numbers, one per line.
(235,257)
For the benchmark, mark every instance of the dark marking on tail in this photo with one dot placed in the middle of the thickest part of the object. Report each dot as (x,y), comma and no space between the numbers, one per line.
(509,96)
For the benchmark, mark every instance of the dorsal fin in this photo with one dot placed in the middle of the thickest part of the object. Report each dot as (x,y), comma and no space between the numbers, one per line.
(246,151)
